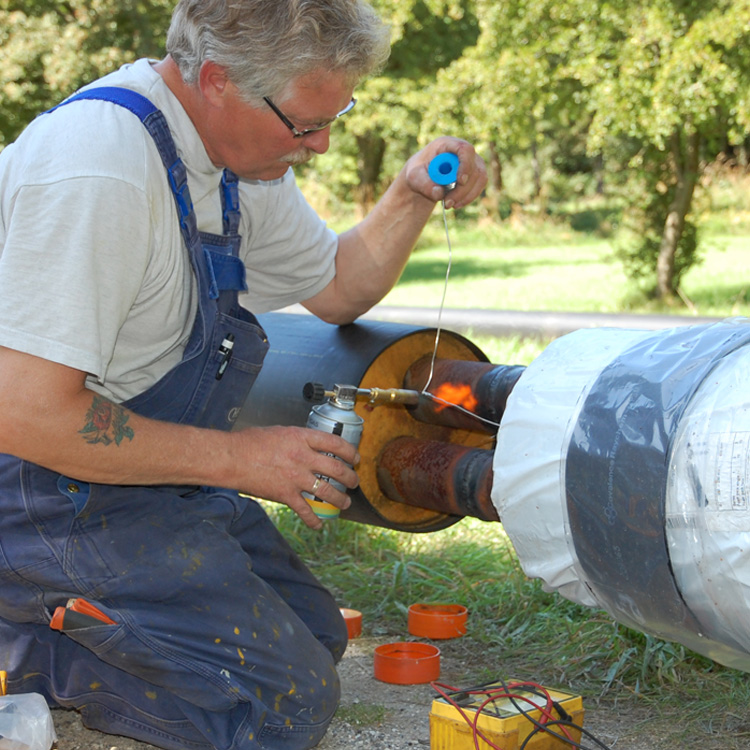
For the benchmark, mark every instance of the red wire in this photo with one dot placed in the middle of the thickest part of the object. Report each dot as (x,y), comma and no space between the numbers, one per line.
(546,712)
(441,688)
(495,694)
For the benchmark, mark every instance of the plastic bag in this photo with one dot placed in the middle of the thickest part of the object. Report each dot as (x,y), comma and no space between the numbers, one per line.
(25,723)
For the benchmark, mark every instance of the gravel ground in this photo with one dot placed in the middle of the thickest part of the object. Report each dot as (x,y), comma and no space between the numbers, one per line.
(379,716)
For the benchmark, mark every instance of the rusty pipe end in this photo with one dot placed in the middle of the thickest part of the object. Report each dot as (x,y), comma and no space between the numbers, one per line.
(445,477)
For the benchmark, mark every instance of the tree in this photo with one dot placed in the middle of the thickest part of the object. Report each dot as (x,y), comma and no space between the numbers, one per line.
(508,93)
(49,49)
(661,85)
(677,88)
(383,129)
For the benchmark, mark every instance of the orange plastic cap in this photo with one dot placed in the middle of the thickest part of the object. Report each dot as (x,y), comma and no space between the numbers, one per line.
(353,619)
(437,620)
(407,663)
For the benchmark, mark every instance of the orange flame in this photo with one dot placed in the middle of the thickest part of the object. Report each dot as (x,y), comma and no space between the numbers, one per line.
(460,395)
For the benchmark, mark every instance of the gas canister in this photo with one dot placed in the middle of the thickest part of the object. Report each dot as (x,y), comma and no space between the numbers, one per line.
(335,415)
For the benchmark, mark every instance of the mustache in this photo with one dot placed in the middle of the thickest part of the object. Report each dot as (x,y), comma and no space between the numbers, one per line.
(299,156)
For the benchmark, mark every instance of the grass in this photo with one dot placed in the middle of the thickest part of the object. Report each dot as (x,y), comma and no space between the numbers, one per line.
(564,263)
(566,272)
(511,350)
(555,269)
(518,629)
(362,714)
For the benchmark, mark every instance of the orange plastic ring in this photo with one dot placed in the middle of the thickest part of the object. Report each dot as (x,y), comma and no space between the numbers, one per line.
(353,619)
(407,663)
(437,620)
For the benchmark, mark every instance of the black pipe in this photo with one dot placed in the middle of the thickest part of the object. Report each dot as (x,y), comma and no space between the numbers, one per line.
(540,324)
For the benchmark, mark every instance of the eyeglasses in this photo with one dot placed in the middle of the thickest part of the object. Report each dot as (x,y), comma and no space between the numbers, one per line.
(302,133)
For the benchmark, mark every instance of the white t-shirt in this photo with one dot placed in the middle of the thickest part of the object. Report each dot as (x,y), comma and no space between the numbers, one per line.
(93,269)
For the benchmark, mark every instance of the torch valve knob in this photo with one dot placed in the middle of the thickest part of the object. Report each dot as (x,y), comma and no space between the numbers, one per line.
(315,393)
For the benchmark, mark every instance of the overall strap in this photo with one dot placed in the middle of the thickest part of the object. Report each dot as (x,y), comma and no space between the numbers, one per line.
(195,391)
(226,270)
(154,121)
(221,269)
(230,202)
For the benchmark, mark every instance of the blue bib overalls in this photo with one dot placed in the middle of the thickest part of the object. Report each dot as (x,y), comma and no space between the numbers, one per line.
(223,638)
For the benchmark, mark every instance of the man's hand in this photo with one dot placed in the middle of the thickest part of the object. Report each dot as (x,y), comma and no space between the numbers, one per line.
(280,463)
(373,254)
(472,174)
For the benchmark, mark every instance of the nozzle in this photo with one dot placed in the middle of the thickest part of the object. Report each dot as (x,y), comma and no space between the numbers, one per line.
(390,395)
(317,393)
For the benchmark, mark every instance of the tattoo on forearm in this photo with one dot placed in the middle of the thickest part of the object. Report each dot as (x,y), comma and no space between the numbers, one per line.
(106,423)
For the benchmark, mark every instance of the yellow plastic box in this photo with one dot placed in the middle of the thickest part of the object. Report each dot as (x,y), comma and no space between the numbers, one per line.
(500,721)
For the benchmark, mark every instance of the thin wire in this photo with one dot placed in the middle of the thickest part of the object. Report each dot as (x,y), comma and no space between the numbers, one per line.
(439,400)
(442,304)
(438,331)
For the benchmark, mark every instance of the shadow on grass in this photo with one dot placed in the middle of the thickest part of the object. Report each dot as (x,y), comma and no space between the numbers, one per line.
(422,269)
(721,295)
(596,221)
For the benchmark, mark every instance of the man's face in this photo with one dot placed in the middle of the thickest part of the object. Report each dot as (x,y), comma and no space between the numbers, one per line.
(255,143)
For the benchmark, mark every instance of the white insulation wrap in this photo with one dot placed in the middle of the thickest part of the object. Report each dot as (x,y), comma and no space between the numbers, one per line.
(622,477)
(528,487)
(708,502)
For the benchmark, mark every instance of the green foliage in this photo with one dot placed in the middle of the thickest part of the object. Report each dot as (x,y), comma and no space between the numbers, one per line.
(431,39)
(568,98)
(49,49)
(630,78)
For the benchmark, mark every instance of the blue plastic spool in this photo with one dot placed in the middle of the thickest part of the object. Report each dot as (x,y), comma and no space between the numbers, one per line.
(443,169)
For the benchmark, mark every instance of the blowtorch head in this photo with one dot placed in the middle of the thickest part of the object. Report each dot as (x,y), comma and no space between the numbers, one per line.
(317,393)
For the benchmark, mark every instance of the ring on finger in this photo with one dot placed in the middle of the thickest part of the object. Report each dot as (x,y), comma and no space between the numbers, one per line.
(316,485)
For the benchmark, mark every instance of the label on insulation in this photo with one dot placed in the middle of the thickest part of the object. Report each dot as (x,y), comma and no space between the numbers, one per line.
(726,476)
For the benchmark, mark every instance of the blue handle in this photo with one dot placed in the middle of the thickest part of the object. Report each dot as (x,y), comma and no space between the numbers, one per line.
(443,169)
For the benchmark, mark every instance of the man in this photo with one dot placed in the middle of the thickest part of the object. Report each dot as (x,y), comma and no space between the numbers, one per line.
(133,588)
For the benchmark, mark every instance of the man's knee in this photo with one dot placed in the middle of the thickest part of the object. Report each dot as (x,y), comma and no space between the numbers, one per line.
(338,639)
(300,721)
